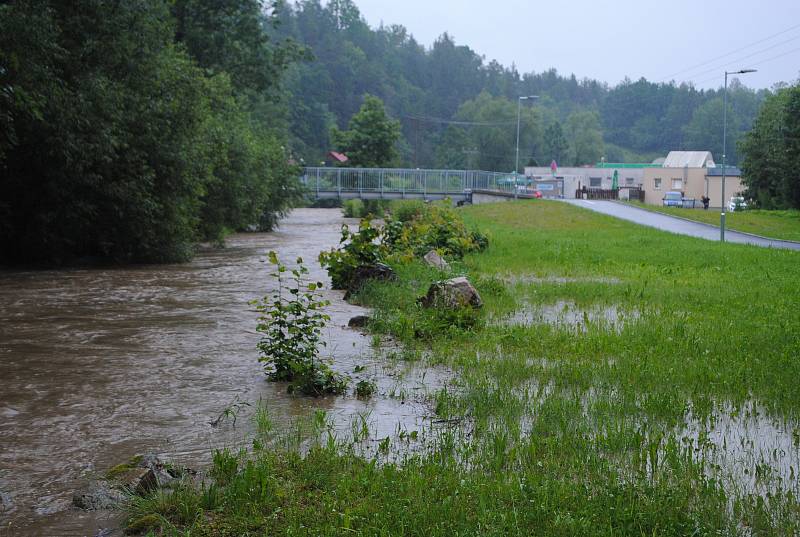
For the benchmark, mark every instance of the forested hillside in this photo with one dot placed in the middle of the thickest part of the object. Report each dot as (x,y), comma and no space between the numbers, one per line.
(438,93)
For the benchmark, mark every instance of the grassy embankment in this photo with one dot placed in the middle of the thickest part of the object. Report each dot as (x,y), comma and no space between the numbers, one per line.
(772,224)
(609,429)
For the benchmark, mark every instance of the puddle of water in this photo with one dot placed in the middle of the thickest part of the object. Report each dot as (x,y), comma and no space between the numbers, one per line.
(533,278)
(753,451)
(567,314)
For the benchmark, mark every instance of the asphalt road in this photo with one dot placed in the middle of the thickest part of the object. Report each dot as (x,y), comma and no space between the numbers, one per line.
(677,225)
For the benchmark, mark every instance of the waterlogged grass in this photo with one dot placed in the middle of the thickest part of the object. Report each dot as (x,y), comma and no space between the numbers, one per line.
(772,224)
(591,428)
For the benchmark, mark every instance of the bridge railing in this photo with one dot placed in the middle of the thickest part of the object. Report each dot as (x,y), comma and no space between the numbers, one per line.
(402,180)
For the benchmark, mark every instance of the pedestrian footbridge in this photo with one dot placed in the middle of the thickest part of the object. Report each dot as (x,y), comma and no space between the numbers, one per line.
(399,183)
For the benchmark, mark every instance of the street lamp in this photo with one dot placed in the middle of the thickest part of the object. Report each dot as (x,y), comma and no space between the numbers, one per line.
(725,147)
(519,108)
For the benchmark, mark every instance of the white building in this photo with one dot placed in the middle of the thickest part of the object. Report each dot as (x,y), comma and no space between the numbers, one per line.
(591,177)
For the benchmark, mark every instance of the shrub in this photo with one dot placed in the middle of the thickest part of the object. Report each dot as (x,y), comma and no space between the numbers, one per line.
(434,227)
(376,208)
(406,210)
(291,321)
(353,208)
(355,250)
(365,389)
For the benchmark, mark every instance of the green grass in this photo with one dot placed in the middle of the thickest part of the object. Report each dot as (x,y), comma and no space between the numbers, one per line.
(772,224)
(553,430)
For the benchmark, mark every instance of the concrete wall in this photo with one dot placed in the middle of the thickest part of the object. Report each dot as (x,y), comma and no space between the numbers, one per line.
(485,196)
(733,186)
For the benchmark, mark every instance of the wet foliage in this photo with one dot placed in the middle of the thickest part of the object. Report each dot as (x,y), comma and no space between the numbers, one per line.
(416,230)
(128,131)
(291,322)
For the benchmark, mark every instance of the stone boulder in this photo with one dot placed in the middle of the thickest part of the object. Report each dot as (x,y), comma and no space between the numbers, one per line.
(376,271)
(454,293)
(433,259)
(98,496)
(359,321)
(141,475)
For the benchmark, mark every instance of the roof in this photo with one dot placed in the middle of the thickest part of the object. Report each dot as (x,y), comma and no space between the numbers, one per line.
(626,165)
(339,157)
(731,171)
(689,159)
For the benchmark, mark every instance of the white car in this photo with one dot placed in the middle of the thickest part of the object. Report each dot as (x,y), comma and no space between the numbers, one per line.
(737,203)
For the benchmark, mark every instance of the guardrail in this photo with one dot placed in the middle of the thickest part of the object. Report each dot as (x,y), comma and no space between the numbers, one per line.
(401,181)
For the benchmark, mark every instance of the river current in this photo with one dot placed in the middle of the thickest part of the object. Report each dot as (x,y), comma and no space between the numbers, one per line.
(100,364)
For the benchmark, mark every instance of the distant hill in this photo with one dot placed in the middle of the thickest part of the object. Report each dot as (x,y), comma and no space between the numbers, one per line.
(427,88)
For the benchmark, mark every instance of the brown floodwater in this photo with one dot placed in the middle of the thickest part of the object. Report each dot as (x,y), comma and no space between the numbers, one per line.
(98,365)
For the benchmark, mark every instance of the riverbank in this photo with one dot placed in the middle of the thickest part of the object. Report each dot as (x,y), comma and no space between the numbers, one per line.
(99,364)
(620,381)
(783,225)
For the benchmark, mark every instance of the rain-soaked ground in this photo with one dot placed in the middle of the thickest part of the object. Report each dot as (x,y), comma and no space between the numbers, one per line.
(100,364)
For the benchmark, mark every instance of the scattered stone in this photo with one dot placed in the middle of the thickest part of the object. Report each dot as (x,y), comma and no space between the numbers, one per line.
(138,480)
(359,321)
(141,475)
(100,495)
(454,293)
(433,259)
(377,271)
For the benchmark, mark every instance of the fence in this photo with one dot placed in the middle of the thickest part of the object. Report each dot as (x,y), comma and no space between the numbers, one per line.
(418,183)
(636,194)
(597,194)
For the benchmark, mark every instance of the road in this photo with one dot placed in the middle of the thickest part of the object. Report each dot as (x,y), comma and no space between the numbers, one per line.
(677,225)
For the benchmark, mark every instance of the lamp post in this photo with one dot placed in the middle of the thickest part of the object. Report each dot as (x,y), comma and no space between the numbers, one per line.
(519,109)
(725,147)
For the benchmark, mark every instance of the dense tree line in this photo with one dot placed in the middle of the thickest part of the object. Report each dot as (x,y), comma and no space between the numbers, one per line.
(428,88)
(771,151)
(130,130)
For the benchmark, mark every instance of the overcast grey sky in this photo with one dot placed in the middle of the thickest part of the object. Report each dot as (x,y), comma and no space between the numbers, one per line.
(609,40)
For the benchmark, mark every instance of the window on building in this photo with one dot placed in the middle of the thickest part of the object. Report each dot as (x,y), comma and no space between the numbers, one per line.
(629,180)
(595,182)
(657,183)
(677,184)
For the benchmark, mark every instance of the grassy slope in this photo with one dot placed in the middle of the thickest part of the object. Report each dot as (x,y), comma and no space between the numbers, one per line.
(558,432)
(773,224)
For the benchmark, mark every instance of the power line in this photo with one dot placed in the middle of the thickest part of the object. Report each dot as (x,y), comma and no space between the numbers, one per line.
(758,63)
(733,62)
(463,123)
(731,53)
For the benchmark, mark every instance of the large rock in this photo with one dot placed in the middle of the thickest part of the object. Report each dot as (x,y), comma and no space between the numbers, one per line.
(138,480)
(453,293)
(359,321)
(377,271)
(433,259)
(99,496)
(140,475)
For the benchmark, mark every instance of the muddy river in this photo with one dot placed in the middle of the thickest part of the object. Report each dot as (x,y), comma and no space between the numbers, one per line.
(97,365)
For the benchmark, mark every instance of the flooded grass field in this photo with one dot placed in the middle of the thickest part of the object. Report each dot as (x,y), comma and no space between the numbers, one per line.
(619,381)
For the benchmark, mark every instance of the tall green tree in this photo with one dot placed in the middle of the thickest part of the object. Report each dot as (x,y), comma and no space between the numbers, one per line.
(116,144)
(555,144)
(371,138)
(771,152)
(585,137)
